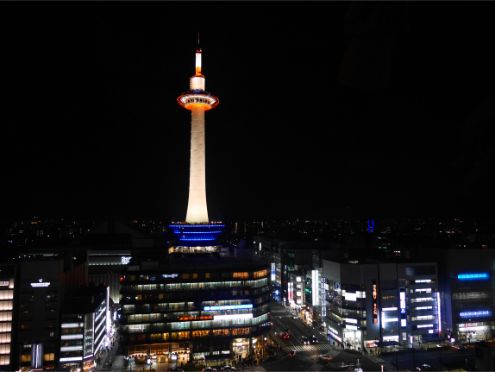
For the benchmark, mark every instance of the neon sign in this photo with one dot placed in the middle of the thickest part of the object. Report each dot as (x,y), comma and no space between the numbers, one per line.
(473,276)
(40,284)
(375,304)
(475,314)
(227,307)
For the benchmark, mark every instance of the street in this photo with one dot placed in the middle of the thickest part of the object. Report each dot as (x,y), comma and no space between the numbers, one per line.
(306,357)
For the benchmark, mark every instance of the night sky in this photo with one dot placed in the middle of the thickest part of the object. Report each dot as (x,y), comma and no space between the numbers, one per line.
(326,109)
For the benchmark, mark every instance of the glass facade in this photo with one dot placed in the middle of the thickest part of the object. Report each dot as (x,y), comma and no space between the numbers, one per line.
(195,312)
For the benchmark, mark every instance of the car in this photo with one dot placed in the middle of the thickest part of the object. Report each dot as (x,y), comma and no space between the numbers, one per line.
(208,369)
(227,368)
(285,336)
(314,339)
(424,367)
(325,357)
(305,340)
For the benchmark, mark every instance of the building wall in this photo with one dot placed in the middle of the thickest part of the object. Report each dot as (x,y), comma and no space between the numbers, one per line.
(40,293)
(7,317)
(469,300)
(364,303)
(199,313)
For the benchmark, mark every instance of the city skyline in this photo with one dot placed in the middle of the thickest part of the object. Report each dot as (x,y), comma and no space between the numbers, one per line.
(312,122)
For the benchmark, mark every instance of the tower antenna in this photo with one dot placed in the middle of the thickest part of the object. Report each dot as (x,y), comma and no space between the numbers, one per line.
(198,40)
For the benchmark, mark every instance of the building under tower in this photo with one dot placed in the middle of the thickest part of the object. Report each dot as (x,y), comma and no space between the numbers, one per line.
(203,300)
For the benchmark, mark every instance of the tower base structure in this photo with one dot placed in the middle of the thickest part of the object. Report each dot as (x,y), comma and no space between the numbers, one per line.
(196,238)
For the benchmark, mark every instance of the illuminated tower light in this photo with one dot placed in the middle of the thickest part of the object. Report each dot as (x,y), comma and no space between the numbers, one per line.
(197,100)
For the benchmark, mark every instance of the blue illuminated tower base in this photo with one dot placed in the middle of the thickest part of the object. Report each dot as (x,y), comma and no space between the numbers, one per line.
(196,238)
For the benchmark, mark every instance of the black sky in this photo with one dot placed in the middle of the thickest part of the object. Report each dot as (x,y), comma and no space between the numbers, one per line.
(327,109)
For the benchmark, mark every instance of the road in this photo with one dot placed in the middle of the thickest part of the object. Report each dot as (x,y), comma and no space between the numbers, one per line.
(306,357)
(437,359)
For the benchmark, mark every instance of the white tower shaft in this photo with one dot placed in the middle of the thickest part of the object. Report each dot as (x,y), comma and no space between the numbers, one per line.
(197,211)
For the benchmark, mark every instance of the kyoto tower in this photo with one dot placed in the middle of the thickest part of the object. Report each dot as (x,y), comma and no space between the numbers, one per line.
(197,100)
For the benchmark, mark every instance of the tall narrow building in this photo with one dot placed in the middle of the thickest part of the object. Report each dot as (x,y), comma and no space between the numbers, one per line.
(206,301)
(197,100)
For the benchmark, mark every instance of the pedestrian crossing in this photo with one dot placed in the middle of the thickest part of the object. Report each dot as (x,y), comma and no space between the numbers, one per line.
(318,347)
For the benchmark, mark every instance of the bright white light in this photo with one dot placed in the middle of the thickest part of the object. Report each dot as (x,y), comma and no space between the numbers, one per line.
(70,359)
(71,348)
(439,313)
(233,316)
(72,325)
(71,337)
(424,307)
(422,281)
(349,326)
(351,320)
(40,284)
(389,309)
(403,322)
(198,60)
(390,320)
(425,325)
(348,296)
(422,290)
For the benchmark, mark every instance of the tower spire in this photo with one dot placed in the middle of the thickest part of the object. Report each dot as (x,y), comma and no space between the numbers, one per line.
(198,59)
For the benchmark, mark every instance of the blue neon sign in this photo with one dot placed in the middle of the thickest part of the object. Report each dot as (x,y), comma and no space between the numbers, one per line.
(227,307)
(475,314)
(473,276)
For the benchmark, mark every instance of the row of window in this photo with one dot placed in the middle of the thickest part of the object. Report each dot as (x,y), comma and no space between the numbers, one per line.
(200,285)
(207,275)
(180,295)
(185,335)
(202,324)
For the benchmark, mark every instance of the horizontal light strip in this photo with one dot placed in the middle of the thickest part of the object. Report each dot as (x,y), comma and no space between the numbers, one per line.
(389,309)
(71,348)
(425,326)
(72,337)
(72,325)
(70,359)
(233,316)
(227,307)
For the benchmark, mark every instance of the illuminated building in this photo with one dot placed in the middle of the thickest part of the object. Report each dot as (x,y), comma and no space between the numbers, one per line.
(204,301)
(469,314)
(42,282)
(198,307)
(7,314)
(381,304)
(84,328)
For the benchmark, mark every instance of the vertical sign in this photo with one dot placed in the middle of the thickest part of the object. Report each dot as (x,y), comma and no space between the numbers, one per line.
(375,303)
(290,291)
(315,287)
(402,306)
(323,298)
